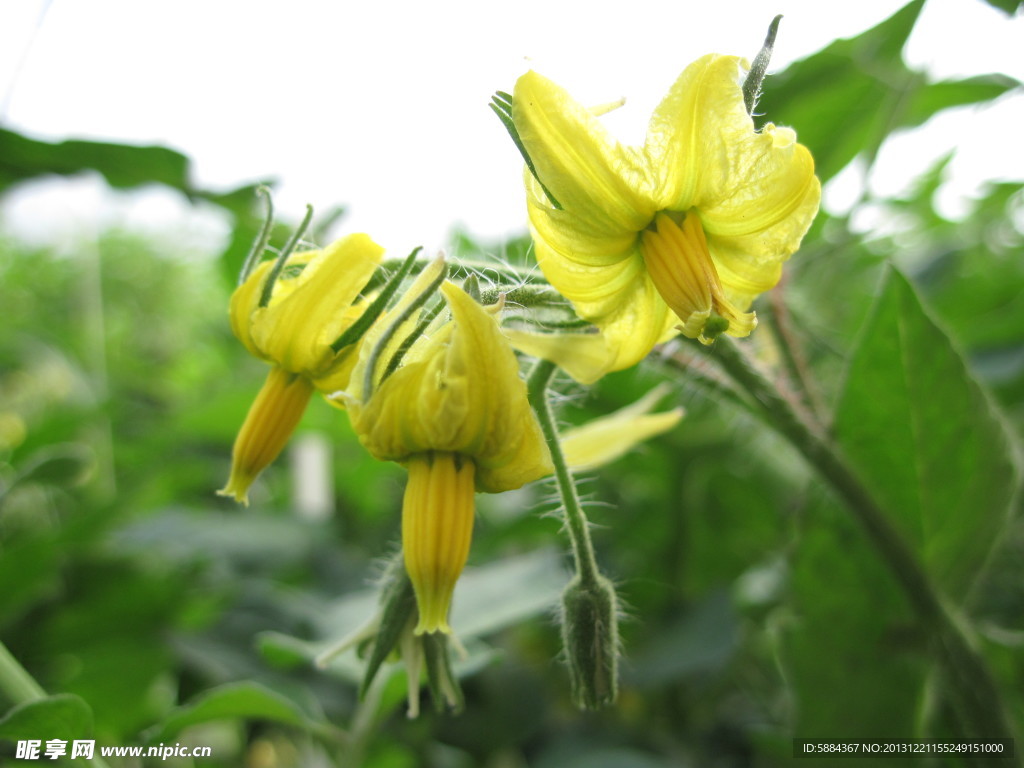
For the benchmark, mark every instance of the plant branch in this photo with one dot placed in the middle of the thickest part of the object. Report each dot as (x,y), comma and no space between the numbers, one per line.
(975,695)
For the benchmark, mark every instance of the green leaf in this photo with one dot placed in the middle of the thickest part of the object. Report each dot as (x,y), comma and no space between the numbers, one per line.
(1009,7)
(852,633)
(122,165)
(702,641)
(926,438)
(63,716)
(824,96)
(935,97)
(246,700)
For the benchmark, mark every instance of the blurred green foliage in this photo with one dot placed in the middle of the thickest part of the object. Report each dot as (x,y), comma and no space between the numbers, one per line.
(756,609)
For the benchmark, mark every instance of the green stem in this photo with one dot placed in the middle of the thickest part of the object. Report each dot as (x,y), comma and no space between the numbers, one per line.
(975,695)
(575,519)
(21,688)
(15,681)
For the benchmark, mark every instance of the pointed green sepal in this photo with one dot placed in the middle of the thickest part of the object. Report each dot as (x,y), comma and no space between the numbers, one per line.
(260,246)
(501,104)
(282,257)
(755,77)
(398,612)
(385,338)
(444,687)
(355,331)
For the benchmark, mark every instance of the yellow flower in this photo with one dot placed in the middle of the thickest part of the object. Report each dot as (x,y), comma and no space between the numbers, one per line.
(456,415)
(310,305)
(684,231)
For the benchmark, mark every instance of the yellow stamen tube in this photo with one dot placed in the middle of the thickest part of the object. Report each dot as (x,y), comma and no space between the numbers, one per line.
(272,418)
(680,265)
(437,525)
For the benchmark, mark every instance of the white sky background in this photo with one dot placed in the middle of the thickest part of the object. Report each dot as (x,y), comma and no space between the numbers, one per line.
(383,106)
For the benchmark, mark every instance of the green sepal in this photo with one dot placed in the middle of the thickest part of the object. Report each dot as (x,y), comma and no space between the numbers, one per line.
(441,680)
(755,77)
(391,330)
(408,341)
(260,245)
(398,611)
(282,257)
(355,331)
(501,104)
(471,285)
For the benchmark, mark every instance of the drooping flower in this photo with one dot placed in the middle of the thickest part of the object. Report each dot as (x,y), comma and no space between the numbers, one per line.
(684,231)
(456,414)
(311,303)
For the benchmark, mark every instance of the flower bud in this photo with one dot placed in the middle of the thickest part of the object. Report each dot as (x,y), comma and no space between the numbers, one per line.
(590,635)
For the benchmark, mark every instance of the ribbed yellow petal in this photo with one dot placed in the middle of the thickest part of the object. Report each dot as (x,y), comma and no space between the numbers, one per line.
(461,394)
(245,299)
(437,526)
(589,173)
(767,181)
(693,135)
(608,438)
(272,418)
(296,331)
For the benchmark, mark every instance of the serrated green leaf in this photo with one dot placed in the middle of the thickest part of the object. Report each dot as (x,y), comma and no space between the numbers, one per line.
(247,700)
(925,438)
(63,716)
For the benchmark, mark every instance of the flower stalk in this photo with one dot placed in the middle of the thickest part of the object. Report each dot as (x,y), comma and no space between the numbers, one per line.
(575,518)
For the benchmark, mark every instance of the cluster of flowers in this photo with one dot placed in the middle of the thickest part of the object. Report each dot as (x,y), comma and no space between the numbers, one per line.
(676,236)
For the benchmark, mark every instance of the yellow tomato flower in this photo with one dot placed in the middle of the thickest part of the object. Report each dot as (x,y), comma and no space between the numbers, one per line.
(684,231)
(310,305)
(456,414)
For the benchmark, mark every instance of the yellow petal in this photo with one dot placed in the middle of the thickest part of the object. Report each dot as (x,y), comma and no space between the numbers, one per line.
(766,182)
(584,356)
(619,299)
(589,173)
(693,131)
(437,526)
(606,439)
(272,418)
(308,312)
(461,393)
(705,153)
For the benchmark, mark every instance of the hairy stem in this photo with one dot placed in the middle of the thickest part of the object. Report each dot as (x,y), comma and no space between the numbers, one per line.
(575,519)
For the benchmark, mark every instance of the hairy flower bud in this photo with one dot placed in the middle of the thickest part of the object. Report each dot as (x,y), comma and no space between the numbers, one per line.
(590,636)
